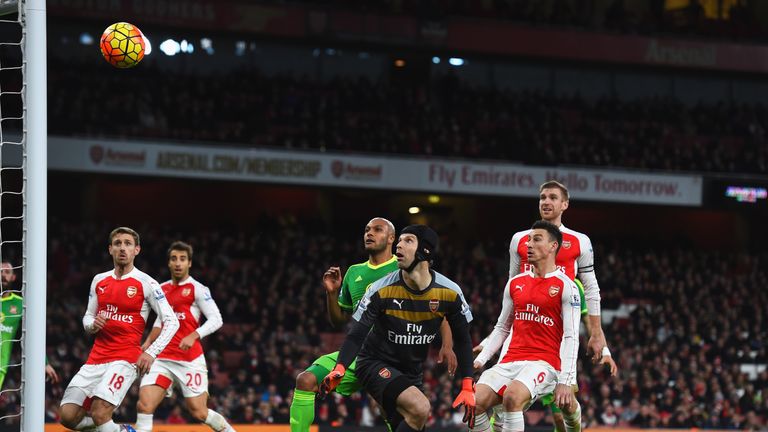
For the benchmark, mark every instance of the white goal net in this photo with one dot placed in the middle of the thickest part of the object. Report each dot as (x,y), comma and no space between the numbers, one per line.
(11,214)
(23,177)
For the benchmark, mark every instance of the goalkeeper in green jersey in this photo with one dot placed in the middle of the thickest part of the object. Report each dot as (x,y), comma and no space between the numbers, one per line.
(11,306)
(342,297)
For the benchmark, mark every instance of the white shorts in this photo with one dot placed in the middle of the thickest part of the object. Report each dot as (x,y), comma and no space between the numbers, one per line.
(190,376)
(538,376)
(106,381)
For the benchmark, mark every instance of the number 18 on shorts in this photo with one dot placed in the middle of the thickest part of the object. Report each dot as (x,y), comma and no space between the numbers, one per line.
(107,381)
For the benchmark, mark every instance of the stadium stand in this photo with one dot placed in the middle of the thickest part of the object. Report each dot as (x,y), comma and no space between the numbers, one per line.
(447,117)
(688,325)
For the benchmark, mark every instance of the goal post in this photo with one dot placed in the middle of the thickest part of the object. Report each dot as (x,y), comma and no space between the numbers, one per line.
(35,168)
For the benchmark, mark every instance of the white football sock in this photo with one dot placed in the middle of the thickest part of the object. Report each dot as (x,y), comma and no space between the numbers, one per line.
(512,421)
(482,424)
(497,423)
(144,422)
(217,422)
(109,426)
(86,424)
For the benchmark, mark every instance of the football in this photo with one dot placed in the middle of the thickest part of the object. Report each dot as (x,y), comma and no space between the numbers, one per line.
(122,45)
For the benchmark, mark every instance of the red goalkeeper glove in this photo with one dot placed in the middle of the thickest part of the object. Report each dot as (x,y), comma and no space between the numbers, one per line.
(331,381)
(467,398)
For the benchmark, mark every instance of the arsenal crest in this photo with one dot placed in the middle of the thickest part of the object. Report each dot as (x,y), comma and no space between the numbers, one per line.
(131,291)
(553,290)
(185,292)
(566,244)
(434,304)
(385,373)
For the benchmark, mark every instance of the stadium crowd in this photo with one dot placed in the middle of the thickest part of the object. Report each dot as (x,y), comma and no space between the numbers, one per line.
(691,320)
(726,20)
(447,117)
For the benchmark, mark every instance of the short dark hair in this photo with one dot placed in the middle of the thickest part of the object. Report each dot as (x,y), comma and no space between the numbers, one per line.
(124,230)
(180,246)
(554,184)
(552,230)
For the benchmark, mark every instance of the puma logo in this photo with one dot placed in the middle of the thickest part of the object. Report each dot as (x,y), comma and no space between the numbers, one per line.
(520,287)
(399,303)
(102,289)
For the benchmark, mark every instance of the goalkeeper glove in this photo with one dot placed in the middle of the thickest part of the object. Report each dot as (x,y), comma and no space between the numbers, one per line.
(467,398)
(331,381)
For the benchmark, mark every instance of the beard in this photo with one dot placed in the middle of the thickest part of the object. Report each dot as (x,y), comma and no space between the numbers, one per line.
(375,248)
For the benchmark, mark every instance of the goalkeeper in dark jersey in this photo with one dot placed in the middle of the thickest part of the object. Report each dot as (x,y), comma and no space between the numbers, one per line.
(394,324)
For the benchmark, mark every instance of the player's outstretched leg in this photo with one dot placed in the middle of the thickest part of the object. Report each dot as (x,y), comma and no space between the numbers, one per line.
(303,404)
(198,408)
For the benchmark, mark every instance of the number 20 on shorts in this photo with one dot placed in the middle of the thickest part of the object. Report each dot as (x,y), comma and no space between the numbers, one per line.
(194,380)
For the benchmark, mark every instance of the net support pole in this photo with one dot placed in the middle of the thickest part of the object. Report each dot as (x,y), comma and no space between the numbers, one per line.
(36,211)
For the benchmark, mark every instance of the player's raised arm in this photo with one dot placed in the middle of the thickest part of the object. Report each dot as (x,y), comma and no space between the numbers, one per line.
(157,301)
(337,295)
(91,322)
(500,331)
